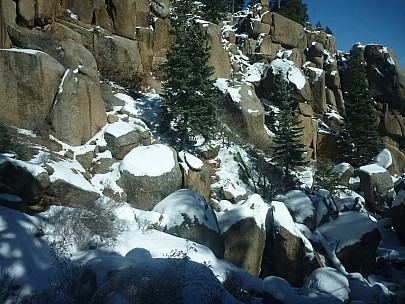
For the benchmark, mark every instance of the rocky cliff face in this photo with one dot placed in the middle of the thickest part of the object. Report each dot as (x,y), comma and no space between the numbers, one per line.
(127,39)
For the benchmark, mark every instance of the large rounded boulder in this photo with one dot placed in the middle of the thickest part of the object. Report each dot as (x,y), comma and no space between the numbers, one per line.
(187,215)
(149,174)
(356,238)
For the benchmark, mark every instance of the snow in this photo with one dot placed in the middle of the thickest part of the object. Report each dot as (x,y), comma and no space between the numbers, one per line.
(383,159)
(318,73)
(255,72)
(186,202)
(254,207)
(372,169)
(226,87)
(60,89)
(63,171)
(34,169)
(330,281)
(191,161)
(120,128)
(289,70)
(340,230)
(153,160)
(129,103)
(25,51)
(341,168)
(299,204)
(281,217)
(390,61)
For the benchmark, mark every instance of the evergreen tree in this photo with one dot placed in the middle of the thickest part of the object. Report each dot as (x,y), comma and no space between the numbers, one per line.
(190,98)
(318,25)
(359,141)
(292,9)
(289,148)
(214,10)
(234,5)
(325,176)
(328,31)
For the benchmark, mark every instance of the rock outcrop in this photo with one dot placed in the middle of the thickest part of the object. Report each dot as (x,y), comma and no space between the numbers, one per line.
(29,81)
(245,113)
(78,111)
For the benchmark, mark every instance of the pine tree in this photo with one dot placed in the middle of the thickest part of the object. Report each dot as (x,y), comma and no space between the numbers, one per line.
(328,31)
(234,5)
(289,149)
(214,10)
(325,177)
(318,25)
(359,141)
(190,98)
(292,9)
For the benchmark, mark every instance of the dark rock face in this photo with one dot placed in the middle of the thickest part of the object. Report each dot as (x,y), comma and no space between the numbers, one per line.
(386,76)
(27,181)
(286,254)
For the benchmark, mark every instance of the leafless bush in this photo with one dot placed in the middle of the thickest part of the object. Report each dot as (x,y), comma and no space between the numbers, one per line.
(87,229)
(7,287)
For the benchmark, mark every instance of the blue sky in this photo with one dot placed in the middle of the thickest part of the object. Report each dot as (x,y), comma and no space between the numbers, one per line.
(365,21)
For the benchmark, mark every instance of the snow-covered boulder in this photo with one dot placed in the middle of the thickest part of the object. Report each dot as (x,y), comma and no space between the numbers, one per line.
(196,175)
(301,87)
(301,208)
(29,81)
(378,187)
(24,180)
(330,281)
(187,215)
(234,192)
(69,188)
(345,171)
(244,234)
(164,281)
(354,238)
(245,112)
(278,290)
(288,253)
(149,174)
(122,137)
